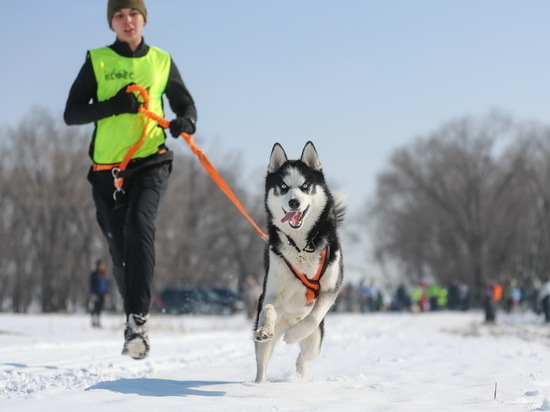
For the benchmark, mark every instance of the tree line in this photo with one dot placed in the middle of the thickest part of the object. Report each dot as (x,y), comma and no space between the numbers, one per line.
(49,238)
(468,202)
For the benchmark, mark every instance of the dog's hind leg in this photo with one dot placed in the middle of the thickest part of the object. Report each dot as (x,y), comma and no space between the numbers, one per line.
(310,347)
(264,350)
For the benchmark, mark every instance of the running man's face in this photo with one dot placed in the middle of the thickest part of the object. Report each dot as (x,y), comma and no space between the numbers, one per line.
(128,25)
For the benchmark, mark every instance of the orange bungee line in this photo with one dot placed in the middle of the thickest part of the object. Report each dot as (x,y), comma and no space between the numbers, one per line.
(210,169)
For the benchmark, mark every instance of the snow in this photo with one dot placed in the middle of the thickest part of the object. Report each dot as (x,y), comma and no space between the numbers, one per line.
(376,362)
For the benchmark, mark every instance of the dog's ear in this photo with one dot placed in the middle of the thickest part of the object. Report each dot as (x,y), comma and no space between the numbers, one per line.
(311,158)
(278,157)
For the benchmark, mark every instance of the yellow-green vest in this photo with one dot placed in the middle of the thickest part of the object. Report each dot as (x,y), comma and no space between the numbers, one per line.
(115,135)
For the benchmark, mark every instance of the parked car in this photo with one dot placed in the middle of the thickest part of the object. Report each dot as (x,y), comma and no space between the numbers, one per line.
(229,301)
(198,301)
(180,300)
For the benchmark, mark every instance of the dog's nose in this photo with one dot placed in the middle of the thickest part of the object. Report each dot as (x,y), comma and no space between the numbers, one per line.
(294,204)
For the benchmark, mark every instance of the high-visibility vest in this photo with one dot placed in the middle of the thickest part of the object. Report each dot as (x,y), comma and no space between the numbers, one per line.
(115,135)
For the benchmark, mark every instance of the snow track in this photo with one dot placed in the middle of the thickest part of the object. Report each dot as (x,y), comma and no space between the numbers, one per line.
(380,362)
(77,363)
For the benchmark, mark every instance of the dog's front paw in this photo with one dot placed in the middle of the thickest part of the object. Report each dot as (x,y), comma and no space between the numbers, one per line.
(263,333)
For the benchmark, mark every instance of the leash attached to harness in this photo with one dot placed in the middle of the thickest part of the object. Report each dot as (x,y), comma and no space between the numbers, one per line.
(210,169)
(313,285)
(119,170)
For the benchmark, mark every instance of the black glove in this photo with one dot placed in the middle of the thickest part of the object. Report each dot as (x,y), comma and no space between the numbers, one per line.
(180,125)
(123,102)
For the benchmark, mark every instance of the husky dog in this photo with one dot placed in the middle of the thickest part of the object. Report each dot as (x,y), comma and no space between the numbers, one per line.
(303,260)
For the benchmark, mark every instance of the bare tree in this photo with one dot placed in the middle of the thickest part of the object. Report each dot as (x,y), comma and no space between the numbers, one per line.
(448,200)
(535,242)
(49,214)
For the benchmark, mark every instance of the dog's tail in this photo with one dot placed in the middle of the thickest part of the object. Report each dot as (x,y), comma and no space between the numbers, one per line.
(340,204)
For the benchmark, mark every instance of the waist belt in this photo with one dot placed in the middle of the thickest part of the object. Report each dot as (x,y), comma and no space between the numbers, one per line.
(135,165)
(96,167)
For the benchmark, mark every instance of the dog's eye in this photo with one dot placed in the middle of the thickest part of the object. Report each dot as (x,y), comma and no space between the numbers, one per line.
(305,186)
(283,186)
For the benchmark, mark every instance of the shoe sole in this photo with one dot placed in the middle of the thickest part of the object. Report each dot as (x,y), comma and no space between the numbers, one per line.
(136,349)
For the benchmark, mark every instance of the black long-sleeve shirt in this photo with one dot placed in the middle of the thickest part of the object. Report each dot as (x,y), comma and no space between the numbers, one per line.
(79,110)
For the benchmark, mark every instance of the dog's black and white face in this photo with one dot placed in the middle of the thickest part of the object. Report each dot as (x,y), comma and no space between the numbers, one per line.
(296,193)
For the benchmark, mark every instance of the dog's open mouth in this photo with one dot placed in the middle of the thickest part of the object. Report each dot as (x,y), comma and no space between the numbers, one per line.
(294,218)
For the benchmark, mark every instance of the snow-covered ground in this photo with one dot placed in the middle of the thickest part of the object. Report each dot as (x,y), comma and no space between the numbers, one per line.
(375,362)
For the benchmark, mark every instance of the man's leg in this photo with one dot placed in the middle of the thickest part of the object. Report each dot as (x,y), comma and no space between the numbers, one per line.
(143,202)
(111,222)
(144,198)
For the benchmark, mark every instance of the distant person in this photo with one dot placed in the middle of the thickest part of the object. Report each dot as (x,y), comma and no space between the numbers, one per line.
(493,295)
(99,291)
(370,297)
(127,215)
(401,299)
(511,296)
(434,293)
(364,296)
(543,300)
(453,295)
(420,298)
(464,296)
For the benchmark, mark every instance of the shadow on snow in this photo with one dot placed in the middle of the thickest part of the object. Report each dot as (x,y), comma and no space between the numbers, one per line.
(160,387)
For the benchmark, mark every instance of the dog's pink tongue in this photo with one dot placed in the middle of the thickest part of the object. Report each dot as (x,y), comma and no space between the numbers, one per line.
(289,216)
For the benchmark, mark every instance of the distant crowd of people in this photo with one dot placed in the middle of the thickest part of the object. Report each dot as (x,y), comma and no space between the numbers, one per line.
(513,297)
(423,297)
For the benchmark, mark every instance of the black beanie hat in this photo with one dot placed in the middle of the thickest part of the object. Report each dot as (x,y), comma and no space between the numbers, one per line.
(114,5)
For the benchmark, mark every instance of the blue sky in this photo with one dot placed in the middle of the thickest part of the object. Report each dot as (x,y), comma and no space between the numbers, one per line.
(359,78)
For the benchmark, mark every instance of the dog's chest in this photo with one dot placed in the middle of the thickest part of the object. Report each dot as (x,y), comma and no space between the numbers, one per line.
(305,262)
(286,268)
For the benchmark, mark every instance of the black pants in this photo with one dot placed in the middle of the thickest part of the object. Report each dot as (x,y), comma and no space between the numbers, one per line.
(130,230)
(98,305)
